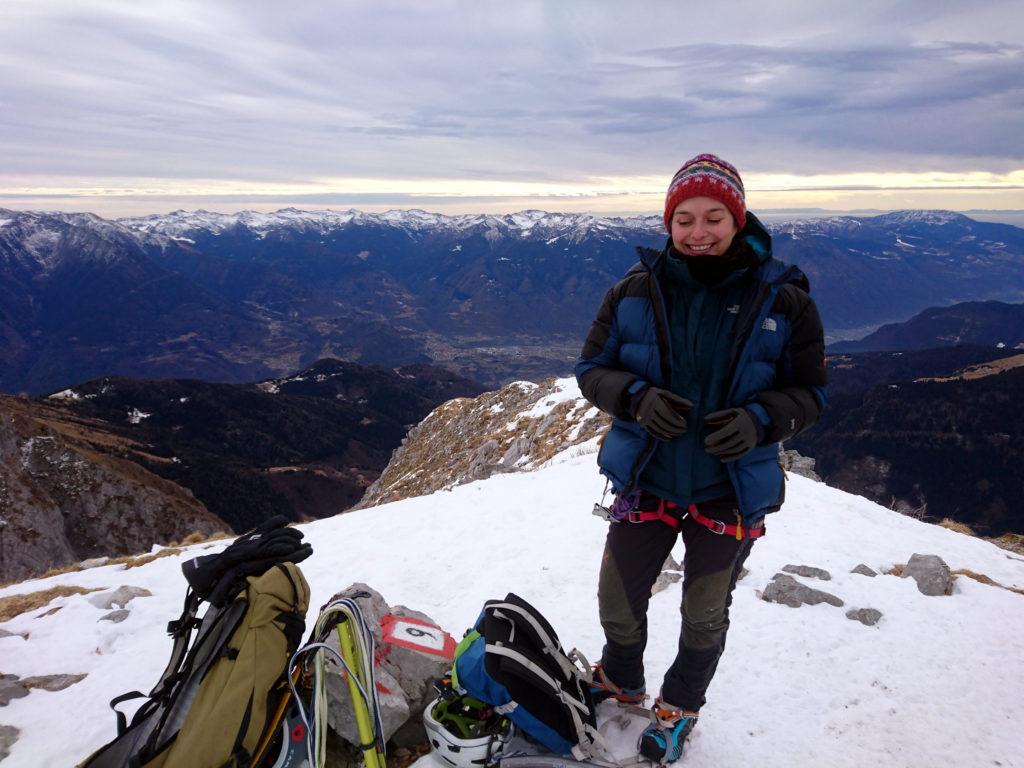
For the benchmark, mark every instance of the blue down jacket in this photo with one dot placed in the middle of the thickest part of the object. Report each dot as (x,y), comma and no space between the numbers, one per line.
(776,367)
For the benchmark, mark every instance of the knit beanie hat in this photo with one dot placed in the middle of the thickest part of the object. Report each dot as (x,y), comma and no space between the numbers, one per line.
(707,176)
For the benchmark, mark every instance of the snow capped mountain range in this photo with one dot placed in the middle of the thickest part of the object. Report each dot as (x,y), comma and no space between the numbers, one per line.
(256,295)
(41,232)
(180,223)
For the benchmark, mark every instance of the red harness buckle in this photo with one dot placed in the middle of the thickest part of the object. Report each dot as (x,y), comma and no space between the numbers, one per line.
(715,526)
(720,528)
(660,514)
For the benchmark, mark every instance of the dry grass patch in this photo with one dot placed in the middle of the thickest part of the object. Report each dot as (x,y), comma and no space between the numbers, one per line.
(134,561)
(896,570)
(954,525)
(174,548)
(62,569)
(983,579)
(200,538)
(1011,541)
(15,605)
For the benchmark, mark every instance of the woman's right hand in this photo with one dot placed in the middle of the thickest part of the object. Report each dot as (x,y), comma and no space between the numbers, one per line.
(662,413)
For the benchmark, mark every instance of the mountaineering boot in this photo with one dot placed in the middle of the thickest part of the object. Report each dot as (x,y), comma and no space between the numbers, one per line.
(602,688)
(662,742)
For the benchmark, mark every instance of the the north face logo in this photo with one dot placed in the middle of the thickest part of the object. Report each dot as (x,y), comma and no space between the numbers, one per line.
(769,324)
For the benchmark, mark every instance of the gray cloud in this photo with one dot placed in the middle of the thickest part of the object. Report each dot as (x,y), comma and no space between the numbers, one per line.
(529,91)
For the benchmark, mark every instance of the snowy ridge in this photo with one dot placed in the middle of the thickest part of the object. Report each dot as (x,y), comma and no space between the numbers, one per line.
(934,217)
(796,687)
(180,223)
(529,223)
(34,221)
(181,226)
(49,238)
(183,223)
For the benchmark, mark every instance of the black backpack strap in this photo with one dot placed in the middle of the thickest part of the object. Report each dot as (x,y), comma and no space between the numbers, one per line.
(181,631)
(122,720)
(215,631)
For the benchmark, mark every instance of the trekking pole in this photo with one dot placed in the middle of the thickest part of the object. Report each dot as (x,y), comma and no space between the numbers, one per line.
(367,736)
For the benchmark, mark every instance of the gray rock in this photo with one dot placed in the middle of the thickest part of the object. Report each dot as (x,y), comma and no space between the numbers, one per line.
(115,617)
(415,670)
(52,682)
(521,446)
(863,570)
(799,465)
(867,616)
(670,574)
(931,574)
(11,688)
(5,633)
(808,571)
(8,735)
(786,590)
(93,562)
(405,674)
(119,597)
(744,572)
(394,706)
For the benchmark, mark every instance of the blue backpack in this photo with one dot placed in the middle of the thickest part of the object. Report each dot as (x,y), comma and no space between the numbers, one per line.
(512,660)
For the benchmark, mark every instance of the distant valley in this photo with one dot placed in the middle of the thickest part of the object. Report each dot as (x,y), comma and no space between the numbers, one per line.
(250,296)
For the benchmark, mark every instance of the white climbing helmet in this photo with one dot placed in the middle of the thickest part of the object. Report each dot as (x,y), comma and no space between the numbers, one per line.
(465,732)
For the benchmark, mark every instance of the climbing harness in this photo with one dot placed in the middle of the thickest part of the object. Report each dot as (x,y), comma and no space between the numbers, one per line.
(625,509)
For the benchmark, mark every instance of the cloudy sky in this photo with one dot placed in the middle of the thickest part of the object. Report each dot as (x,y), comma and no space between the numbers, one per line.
(146,106)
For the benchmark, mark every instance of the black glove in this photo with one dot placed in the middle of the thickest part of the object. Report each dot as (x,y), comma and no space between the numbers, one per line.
(736,436)
(218,578)
(662,413)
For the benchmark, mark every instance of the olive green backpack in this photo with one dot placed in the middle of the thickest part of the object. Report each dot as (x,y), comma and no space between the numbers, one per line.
(220,700)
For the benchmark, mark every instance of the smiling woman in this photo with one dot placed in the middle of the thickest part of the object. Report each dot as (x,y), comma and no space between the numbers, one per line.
(706,354)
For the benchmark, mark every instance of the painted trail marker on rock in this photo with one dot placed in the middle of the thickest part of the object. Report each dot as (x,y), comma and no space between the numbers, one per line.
(417,635)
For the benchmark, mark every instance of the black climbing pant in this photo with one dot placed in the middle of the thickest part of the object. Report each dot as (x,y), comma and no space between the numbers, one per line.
(633,557)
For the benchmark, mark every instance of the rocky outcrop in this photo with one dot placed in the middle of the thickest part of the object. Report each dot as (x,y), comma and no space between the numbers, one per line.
(119,597)
(518,427)
(931,573)
(671,573)
(786,590)
(866,616)
(808,571)
(8,735)
(61,502)
(799,465)
(13,687)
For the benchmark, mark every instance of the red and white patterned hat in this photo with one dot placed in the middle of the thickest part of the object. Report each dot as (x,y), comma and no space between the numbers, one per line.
(707,176)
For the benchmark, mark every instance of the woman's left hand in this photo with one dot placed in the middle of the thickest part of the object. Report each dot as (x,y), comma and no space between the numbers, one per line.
(736,437)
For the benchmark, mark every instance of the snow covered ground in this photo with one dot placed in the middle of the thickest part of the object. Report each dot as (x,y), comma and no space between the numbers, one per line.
(936,683)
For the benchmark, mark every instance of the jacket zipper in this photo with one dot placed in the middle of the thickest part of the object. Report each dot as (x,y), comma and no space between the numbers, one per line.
(652,445)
